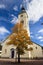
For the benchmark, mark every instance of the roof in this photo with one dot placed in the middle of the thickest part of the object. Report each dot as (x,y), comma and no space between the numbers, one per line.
(37,44)
(23,10)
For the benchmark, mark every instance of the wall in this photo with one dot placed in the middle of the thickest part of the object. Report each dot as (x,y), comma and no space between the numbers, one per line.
(6,50)
(37,51)
(28,54)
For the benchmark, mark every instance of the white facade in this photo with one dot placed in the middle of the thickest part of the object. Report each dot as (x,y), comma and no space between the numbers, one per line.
(35,53)
(10,50)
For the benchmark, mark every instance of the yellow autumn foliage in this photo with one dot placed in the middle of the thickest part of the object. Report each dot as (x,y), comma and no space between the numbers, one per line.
(20,37)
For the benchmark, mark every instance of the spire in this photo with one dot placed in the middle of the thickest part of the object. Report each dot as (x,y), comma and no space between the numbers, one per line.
(22,8)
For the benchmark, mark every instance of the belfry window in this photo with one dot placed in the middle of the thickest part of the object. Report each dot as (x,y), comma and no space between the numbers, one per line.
(22,22)
(21,15)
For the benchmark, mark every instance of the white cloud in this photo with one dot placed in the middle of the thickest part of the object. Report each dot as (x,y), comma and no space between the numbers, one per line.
(40,31)
(15,8)
(3,30)
(21,6)
(12,15)
(35,9)
(14,20)
(41,40)
(2,6)
(40,37)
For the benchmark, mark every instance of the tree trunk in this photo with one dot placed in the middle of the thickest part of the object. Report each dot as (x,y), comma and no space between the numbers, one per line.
(18,56)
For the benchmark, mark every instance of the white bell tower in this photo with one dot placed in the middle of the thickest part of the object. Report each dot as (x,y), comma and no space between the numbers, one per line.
(23,18)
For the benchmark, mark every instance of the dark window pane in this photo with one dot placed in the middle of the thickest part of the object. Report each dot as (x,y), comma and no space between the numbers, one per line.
(21,15)
(36,47)
(22,22)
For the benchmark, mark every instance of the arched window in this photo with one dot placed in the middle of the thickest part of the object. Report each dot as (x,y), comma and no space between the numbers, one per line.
(21,15)
(36,47)
(12,52)
(22,22)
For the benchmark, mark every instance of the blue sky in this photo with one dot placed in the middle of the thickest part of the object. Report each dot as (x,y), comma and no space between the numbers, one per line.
(9,10)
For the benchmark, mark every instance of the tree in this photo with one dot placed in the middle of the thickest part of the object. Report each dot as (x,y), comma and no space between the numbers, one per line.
(20,39)
(18,27)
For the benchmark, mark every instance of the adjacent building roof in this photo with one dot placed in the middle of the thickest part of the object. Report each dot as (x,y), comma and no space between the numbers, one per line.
(37,44)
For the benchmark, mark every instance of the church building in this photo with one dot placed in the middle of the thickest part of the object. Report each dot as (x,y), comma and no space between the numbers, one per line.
(10,51)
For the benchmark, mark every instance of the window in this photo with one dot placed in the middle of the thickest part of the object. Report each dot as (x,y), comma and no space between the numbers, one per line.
(21,15)
(22,21)
(36,47)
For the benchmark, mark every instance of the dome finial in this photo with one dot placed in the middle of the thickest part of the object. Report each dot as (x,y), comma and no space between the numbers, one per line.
(22,8)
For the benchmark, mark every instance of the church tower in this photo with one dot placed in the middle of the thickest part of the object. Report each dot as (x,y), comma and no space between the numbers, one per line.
(23,18)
